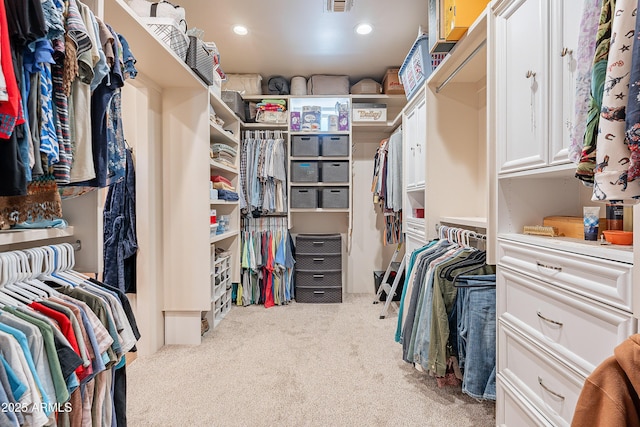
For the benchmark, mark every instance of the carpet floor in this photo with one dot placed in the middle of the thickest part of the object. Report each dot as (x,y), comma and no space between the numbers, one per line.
(297,365)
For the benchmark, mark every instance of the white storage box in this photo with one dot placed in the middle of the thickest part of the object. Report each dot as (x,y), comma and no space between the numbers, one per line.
(168,31)
(328,85)
(367,86)
(369,112)
(245,84)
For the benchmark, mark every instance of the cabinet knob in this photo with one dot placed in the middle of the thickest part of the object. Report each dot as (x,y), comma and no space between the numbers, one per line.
(530,74)
(566,51)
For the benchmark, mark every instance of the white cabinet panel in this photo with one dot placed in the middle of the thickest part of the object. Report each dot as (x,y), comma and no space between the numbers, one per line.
(419,159)
(549,384)
(564,323)
(513,410)
(603,280)
(415,140)
(565,28)
(521,71)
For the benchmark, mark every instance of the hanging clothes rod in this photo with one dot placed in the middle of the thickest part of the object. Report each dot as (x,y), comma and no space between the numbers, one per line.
(459,67)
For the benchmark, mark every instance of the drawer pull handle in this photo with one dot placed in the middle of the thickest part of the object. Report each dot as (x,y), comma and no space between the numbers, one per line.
(559,396)
(550,267)
(546,319)
(322,293)
(318,276)
(318,259)
(318,243)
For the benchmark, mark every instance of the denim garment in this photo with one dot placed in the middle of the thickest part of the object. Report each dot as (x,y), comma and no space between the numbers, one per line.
(120,241)
(476,308)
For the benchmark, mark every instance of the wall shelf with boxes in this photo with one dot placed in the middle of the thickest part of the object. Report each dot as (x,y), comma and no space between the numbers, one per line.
(320,157)
(224,233)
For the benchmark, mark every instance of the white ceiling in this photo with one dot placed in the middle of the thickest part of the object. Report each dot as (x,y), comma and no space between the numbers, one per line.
(299,37)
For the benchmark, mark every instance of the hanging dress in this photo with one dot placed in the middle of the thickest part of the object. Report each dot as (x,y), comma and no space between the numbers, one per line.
(613,154)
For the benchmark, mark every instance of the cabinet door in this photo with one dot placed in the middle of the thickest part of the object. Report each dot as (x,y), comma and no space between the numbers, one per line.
(409,138)
(420,153)
(565,28)
(522,79)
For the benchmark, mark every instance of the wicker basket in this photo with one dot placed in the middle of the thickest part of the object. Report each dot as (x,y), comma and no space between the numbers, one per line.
(167,30)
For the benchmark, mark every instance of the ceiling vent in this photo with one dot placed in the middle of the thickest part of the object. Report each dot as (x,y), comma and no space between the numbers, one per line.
(339,5)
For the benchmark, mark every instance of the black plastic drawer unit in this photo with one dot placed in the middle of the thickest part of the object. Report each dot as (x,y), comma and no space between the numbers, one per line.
(318,268)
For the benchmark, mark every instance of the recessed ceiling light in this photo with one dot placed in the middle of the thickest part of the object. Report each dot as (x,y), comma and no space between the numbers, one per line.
(240,30)
(364,29)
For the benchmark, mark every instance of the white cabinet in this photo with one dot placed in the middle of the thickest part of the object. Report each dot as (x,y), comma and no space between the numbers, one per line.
(561,313)
(522,93)
(415,139)
(535,44)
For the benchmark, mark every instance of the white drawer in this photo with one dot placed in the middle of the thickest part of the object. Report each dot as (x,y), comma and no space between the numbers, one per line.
(550,385)
(513,410)
(600,279)
(581,330)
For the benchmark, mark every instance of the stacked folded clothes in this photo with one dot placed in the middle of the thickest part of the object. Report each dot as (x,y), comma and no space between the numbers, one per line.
(223,153)
(272,105)
(230,196)
(222,183)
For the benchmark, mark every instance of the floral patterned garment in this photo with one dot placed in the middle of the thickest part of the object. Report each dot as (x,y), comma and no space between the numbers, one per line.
(613,154)
(584,62)
(633,110)
(587,164)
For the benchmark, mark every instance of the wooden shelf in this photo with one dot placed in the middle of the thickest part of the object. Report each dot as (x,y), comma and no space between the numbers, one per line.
(416,189)
(225,235)
(222,109)
(219,133)
(155,59)
(258,126)
(612,252)
(218,165)
(293,210)
(322,158)
(223,202)
(467,61)
(321,132)
(319,184)
(478,222)
(10,237)
(559,171)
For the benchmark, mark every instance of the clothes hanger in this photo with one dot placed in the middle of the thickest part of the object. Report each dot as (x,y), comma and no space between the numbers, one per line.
(24,272)
(8,277)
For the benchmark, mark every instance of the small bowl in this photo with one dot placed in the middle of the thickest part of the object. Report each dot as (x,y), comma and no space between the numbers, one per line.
(619,237)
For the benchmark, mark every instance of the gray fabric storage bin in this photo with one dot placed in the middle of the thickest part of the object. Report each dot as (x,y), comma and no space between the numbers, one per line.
(303,145)
(335,198)
(318,244)
(318,295)
(335,145)
(318,279)
(234,100)
(304,171)
(335,171)
(319,262)
(304,197)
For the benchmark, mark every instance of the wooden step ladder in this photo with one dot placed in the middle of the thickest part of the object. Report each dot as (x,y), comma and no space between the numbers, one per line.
(390,289)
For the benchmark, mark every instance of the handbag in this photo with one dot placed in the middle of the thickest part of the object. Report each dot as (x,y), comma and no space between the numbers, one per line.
(200,60)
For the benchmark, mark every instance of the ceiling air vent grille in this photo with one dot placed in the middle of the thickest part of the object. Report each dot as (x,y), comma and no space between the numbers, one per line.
(339,5)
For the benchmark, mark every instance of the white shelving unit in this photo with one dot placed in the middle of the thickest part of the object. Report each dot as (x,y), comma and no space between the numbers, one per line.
(229,240)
